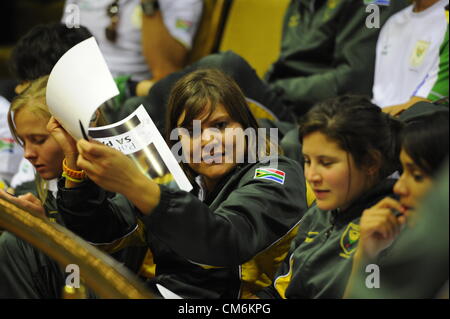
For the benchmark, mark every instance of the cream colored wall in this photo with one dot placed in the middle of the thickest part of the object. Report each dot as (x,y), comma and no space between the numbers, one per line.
(253,30)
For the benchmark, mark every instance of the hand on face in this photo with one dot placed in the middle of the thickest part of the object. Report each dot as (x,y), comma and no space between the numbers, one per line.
(107,167)
(27,201)
(64,139)
(40,147)
(379,226)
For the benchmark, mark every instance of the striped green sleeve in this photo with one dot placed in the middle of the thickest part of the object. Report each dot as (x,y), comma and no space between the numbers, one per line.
(440,87)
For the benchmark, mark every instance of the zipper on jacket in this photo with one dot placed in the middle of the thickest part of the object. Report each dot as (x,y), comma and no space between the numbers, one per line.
(328,232)
(332,222)
(321,245)
(317,249)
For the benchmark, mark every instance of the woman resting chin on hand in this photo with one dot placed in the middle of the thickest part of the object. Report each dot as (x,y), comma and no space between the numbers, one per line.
(424,149)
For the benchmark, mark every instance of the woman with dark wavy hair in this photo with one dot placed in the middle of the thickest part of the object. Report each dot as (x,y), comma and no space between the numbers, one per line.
(424,149)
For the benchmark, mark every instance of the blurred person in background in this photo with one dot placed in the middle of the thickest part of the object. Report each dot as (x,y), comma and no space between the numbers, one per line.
(10,151)
(142,40)
(412,57)
(326,50)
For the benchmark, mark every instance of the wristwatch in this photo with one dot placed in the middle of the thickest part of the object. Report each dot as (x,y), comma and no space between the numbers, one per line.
(149,7)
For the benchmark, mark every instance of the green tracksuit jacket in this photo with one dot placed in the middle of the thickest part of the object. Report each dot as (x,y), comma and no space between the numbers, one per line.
(326,50)
(319,262)
(26,272)
(224,247)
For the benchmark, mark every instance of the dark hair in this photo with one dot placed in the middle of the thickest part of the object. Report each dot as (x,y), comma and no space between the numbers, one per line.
(197,89)
(360,128)
(425,139)
(198,93)
(37,52)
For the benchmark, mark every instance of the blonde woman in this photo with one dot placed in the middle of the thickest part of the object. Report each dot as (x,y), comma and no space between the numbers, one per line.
(24,270)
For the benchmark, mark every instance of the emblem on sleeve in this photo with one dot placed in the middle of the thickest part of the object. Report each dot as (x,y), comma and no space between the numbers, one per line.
(349,240)
(271,174)
(183,24)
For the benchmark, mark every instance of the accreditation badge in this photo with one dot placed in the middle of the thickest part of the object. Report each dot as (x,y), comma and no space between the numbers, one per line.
(419,52)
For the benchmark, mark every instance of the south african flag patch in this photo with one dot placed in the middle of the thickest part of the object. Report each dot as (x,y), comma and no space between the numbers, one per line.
(270,173)
(183,24)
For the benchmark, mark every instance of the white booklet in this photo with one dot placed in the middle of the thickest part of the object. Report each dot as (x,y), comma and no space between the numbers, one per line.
(80,82)
(166,293)
(137,136)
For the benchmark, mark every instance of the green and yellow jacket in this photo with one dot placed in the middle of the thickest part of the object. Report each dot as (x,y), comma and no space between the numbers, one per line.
(327,50)
(227,246)
(320,260)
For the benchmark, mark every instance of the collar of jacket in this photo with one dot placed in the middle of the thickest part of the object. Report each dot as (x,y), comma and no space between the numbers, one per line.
(375,194)
(209,197)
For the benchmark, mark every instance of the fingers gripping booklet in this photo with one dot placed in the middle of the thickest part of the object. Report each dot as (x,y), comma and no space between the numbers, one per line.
(138,137)
(79,84)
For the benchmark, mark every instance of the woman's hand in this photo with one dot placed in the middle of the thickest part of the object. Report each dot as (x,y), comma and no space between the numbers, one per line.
(107,167)
(27,201)
(379,227)
(116,172)
(65,141)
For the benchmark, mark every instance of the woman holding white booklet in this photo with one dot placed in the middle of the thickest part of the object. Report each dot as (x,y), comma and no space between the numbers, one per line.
(226,238)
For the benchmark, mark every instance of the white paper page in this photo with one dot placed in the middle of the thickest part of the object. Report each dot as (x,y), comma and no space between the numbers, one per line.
(166,293)
(79,83)
(137,133)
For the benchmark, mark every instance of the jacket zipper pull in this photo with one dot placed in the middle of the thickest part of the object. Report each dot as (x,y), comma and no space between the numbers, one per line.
(328,233)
